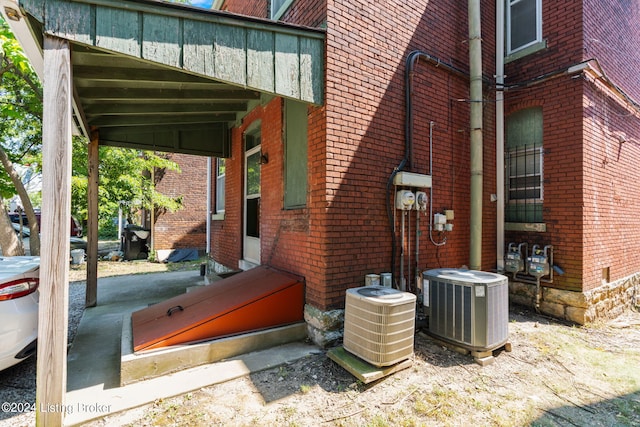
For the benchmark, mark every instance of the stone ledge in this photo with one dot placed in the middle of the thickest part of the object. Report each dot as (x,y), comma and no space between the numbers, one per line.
(604,302)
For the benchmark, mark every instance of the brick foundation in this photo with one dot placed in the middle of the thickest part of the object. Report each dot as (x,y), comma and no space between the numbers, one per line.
(605,302)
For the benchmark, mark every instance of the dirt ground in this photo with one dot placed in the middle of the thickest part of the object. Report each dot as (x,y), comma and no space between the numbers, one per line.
(557,374)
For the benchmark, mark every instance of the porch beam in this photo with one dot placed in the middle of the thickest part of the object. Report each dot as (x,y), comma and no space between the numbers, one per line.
(175,119)
(163,108)
(51,376)
(168,95)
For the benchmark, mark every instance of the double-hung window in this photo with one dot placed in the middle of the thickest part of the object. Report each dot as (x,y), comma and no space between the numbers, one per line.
(524,166)
(524,24)
(279,7)
(220,184)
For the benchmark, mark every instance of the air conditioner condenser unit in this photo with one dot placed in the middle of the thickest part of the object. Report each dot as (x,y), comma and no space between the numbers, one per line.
(468,307)
(379,324)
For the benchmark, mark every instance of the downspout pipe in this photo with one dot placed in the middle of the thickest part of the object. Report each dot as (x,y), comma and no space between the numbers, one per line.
(500,184)
(475,92)
(209,205)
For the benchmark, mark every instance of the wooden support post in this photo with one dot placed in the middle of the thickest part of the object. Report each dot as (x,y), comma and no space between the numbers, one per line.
(91,298)
(51,377)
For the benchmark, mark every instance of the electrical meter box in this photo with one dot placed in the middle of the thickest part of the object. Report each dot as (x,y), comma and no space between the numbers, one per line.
(421,201)
(405,200)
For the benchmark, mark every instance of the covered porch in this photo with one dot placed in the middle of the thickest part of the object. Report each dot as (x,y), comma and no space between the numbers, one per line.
(146,75)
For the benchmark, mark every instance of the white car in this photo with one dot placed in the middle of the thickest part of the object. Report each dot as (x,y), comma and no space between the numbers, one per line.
(19,280)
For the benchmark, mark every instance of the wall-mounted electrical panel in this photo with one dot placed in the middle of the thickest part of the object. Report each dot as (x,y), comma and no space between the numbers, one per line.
(410,179)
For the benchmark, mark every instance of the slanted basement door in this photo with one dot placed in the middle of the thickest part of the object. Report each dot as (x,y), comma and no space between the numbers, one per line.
(256,299)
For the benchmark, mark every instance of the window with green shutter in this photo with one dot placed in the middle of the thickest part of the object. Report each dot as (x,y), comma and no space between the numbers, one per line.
(295,161)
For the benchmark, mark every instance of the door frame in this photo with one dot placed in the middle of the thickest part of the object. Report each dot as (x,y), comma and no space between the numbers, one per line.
(251,244)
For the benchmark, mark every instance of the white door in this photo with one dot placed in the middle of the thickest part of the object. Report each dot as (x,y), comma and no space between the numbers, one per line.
(251,251)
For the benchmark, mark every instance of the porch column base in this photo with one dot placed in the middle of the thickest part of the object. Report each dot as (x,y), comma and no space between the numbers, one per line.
(325,328)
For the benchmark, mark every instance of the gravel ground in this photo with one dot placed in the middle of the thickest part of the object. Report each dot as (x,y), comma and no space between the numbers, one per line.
(18,383)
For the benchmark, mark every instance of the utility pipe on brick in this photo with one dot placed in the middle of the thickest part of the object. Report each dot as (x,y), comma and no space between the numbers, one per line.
(475,92)
(500,135)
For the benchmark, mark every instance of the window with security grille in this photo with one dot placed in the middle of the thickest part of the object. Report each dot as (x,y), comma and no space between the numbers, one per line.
(524,166)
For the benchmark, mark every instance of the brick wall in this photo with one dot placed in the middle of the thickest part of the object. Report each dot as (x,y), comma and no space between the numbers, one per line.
(560,97)
(258,8)
(366,137)
(588,196)
(612,150)
(301,12)
(561,103)
(562,26)
(612,36)
(357,140)
(187,227)
(611,174)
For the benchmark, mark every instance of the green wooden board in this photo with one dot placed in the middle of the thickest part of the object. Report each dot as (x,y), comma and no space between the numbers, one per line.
(362,370)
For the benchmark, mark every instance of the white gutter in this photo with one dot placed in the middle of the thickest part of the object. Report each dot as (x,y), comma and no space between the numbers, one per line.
(208,249)
(500,135)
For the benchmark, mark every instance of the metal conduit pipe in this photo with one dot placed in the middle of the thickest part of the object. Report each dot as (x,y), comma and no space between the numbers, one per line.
(411,62)
(500,184)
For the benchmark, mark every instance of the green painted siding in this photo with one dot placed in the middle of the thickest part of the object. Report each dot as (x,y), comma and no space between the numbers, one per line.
(270,57)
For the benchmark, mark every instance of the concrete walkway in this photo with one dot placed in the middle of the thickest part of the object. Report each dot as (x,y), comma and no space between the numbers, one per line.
(93,364)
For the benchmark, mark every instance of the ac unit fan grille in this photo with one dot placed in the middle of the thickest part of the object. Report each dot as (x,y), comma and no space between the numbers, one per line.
(475,315)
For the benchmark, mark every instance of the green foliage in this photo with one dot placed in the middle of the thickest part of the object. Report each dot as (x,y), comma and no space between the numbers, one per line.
(125,182)
(127,177)
(20,108)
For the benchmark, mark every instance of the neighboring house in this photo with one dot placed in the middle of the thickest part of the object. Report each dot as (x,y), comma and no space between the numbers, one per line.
(187,227)
(305,188)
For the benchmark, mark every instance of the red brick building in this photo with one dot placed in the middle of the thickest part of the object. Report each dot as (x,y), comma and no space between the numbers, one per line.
(583,83)
(571,121)
(186,228)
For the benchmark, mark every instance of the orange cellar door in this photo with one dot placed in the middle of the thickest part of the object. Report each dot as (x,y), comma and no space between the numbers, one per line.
(248,301)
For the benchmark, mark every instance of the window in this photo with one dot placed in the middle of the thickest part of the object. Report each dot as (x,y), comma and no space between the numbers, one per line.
(220,178)
(295,162)
(279,7)
(524,24)
(524,167)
